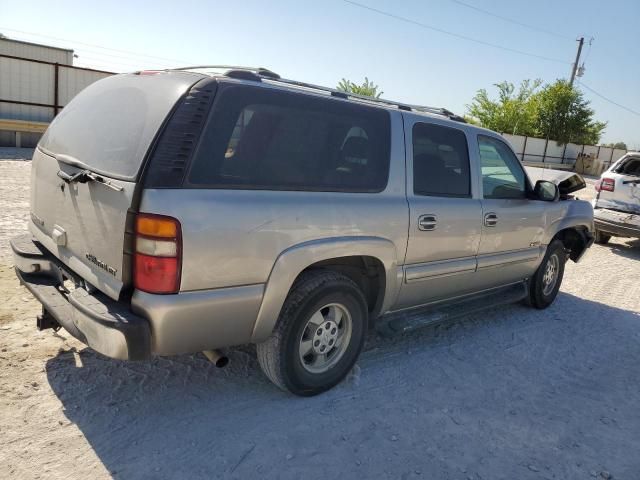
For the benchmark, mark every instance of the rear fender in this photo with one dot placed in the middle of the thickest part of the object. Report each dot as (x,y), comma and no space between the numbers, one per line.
(295,259)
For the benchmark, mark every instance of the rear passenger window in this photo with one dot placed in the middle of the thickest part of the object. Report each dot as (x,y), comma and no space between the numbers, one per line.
(440,161)
(261,138)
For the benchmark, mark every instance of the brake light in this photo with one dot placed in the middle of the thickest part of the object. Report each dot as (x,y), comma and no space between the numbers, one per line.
(158,254)
(607,184)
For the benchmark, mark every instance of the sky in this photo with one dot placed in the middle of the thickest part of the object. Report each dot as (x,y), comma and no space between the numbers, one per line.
(324,41)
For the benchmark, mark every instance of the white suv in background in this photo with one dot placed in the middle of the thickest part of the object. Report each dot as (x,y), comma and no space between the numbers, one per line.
(617,205)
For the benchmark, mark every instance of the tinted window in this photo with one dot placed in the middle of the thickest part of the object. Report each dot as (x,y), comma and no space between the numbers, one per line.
(270,139)
(440,161)
(630,166)
(502,174)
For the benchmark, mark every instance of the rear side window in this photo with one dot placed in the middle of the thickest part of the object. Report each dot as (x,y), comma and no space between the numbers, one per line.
(440,161)
(630,166)
(259,138)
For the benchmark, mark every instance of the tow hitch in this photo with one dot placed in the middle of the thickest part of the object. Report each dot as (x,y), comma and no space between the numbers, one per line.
(45,320)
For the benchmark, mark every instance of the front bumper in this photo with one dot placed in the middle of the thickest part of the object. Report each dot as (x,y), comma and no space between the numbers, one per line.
(107,326)
(616,223)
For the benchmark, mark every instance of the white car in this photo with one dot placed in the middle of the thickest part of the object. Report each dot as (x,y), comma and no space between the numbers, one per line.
(617,205)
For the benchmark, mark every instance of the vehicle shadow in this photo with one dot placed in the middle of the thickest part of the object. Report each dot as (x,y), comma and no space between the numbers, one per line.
(626,248)
(506,393)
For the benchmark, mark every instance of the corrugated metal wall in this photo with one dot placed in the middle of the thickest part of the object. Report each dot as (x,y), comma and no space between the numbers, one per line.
(34,82)
(72,80)
(36,52)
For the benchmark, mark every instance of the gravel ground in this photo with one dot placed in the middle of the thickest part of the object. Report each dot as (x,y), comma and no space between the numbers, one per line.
(513,393)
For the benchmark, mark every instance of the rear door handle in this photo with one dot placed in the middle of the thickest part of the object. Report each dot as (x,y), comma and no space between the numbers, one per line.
(490,219)
(427,222)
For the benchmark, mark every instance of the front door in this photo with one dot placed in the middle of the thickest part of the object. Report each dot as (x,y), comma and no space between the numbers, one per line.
(445,219)
(513,224)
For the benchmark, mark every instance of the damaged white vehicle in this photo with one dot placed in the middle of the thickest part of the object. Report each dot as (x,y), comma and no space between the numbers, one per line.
(617,205)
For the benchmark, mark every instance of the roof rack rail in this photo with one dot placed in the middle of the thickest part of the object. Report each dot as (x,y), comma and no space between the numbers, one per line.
(401,106)
(258,73)
(261,71)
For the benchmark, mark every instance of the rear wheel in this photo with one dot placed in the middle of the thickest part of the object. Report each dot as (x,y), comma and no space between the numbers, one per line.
(602,238)
(545,283)
(319,334)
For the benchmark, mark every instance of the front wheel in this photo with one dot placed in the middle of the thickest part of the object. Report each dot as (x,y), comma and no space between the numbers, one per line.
(318,336)
(545,283)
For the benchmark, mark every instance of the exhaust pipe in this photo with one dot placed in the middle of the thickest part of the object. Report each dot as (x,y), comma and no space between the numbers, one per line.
(216,357)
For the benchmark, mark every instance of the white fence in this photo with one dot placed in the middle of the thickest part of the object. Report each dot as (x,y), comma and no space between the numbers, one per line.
(36,90)
(539,150)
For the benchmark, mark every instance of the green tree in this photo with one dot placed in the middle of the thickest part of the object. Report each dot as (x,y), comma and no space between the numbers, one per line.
(512,112)
(618,145)
(557,111)
(367,88)
(565,116)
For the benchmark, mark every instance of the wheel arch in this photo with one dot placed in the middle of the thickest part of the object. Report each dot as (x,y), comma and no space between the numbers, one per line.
(576,240)
(360,258)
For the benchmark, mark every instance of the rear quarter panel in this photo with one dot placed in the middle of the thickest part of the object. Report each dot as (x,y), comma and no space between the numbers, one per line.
(233,237)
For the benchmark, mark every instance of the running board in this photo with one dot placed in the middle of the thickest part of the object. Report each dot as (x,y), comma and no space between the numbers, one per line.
(415,318)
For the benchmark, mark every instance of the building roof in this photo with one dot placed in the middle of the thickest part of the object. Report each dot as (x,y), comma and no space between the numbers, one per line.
(7,39)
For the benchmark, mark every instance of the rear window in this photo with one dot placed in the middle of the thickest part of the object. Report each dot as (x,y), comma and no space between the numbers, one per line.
(110,125)
(259,138)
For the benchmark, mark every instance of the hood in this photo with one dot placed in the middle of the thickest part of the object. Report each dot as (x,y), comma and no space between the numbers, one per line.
(567,182)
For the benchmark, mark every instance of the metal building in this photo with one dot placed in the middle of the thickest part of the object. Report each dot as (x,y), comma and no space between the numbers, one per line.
(36,82)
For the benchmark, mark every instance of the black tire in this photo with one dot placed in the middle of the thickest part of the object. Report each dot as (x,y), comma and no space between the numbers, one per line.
(538,298)
(279,355)
(602,238)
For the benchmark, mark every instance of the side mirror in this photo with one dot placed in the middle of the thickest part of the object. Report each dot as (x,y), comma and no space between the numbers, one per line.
(546,191)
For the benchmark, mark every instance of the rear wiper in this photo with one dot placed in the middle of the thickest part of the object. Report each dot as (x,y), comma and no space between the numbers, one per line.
(84,176)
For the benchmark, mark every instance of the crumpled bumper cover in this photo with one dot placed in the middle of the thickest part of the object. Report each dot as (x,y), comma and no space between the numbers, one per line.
(622,224)
(107,326)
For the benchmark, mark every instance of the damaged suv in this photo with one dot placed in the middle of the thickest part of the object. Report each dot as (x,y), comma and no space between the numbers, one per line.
(617,204)
(191,210)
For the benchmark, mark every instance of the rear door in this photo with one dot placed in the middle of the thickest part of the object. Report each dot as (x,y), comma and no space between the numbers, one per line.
(445,219)
(620,187)
(513,225)
(106,131)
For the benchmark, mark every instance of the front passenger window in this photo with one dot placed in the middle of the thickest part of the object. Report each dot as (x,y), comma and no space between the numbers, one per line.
(502,173)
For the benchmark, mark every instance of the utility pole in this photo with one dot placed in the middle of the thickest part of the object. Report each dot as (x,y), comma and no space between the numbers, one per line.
(575,65)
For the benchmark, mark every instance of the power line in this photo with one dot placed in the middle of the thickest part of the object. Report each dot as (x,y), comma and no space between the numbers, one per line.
(127,53)
(453,34)
(609,100)
(507,19)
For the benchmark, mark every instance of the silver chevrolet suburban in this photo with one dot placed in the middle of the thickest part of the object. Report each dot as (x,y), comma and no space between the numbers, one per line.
(191,210)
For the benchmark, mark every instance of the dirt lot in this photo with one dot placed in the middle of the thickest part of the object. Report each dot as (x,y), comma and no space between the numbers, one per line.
(514,393)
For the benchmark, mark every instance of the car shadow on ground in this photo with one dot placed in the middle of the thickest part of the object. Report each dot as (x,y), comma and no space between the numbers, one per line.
(626,248)
(510,393)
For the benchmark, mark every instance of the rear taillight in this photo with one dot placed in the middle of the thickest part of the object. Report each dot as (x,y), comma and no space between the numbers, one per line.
(606,184)
(158,254)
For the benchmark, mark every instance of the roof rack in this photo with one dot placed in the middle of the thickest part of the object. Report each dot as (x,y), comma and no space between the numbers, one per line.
(259,73)
(234,70)
(401,106)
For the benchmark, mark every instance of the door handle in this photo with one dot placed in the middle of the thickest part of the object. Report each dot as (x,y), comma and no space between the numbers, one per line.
(490,219)
(427,222)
